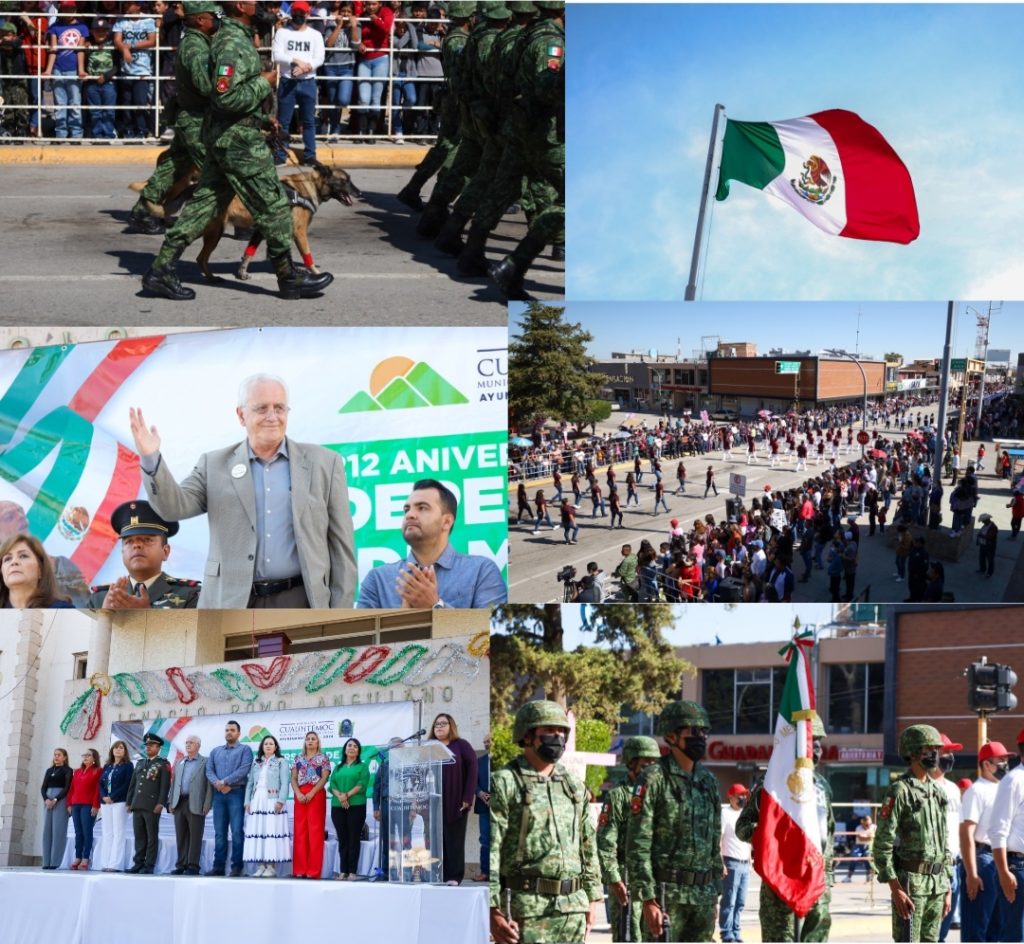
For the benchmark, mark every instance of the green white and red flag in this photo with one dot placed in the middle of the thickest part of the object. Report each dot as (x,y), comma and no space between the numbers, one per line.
(832,167)
(787,841)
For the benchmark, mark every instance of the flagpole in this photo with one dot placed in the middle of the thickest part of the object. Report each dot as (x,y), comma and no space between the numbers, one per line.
(691,288)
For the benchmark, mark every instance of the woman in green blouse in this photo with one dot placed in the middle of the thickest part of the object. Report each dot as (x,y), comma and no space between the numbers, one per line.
(348,785)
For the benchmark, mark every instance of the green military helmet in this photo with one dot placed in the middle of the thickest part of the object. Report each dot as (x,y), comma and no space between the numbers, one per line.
(521,6)
(461,9)
(194,7)
(497,11)
(640,747)
(682,714)
(537,714)
(549,4)
(918,736)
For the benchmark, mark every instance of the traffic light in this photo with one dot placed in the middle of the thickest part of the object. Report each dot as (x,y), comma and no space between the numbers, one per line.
(989,687)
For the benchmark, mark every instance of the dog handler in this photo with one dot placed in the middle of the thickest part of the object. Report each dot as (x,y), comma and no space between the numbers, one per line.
(238,162)
(192,75)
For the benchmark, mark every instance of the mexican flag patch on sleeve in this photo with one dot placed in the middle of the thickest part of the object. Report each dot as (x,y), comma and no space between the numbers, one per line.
(637,802)
(224,74)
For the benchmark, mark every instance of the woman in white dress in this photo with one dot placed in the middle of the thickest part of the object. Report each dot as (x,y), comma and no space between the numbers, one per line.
(267,841)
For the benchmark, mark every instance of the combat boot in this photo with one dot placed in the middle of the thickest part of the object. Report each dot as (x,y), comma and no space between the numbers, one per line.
(293,283)
(163,281)
(140,220)
(473,259)
(411,198)
(432,220)
(509,273)
(558,252)
(449,240)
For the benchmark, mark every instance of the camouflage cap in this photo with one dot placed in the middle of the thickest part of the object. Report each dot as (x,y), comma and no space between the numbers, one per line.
(549,4)
(195,7)
(461,9)
(521,6)
(640,747)
(8,27)
(918,736)
(682,714)
(497,11)
(535,714)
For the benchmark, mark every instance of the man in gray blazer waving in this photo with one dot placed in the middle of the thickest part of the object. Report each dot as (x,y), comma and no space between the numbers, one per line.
(280,525)
(190,801)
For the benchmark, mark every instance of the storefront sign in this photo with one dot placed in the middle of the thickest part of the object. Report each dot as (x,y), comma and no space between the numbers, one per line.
(725,751)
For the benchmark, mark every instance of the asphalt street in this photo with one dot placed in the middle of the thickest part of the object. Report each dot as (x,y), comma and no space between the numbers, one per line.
(66,253)
(536,558)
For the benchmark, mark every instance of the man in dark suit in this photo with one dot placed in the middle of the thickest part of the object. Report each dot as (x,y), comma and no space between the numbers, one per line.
(190,801)
(147,797)
(144,549)
(280,525)
(482,808)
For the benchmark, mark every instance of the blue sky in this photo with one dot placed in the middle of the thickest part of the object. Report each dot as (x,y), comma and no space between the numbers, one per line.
(913,329)
(939,82)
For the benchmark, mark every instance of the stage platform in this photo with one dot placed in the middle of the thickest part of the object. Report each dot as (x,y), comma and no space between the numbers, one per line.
(89,908)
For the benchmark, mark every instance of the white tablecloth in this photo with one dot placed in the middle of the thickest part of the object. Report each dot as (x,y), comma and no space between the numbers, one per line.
(167,849)
(76,908)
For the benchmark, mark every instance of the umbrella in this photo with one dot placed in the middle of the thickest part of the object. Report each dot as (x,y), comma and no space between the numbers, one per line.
(764,413)
(622,434)
(520,441)
(878,454)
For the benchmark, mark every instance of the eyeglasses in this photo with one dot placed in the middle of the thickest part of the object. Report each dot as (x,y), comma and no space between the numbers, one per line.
(265,409)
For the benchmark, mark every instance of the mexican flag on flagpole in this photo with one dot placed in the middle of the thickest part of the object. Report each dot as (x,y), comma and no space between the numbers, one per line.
(832,167)
(787,841)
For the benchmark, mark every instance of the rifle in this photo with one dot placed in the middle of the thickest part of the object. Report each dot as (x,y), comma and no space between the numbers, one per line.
(507,894)
(666,922)
(625,928)
(908,932)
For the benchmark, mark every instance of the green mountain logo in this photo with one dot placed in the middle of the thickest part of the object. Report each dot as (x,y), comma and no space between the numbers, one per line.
(256,734)
(399,383)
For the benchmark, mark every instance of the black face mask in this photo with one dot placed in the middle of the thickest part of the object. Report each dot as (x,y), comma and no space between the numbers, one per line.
(551,747)
(946,763)
(1000,771)
(298,19)
(741,802)
(930,760)
(695,747)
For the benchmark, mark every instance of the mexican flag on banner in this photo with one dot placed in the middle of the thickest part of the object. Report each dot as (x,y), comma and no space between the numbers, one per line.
(832,167)
(787,841)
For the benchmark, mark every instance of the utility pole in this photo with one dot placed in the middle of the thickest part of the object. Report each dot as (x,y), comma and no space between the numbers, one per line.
(940,436)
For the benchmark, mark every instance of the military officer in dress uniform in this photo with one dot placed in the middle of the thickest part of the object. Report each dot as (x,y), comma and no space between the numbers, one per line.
(147,797)
(673,842)
(918,871)
(545,878)
(637,753)
(144,549)
(778,923)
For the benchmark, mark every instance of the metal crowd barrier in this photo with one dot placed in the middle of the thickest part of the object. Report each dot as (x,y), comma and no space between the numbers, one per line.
(45,105)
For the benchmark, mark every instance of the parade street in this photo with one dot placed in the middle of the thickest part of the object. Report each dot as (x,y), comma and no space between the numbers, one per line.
(67,252)
(536,558)
(860,912)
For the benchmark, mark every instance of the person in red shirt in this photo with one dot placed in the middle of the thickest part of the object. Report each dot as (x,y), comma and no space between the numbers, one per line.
(84,802)
(1017,512)
(375,23)
(32,33)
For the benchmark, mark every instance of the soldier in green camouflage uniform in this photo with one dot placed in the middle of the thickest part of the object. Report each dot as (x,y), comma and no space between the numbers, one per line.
(637,753)
(502,185)
(673,842)
(238,162)
(447,106)
(192,75)
(462,163)
(539,124)
(480,105)
(778,923)
(918,871)
(544,867)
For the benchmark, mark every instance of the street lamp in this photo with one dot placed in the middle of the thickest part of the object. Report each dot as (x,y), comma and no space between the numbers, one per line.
(839,352)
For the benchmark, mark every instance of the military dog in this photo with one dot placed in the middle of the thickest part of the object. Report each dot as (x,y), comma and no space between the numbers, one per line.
(305,190)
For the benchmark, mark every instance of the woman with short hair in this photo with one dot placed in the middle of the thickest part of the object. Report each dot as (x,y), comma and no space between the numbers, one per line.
(266,821)
(84,801)
(458,787)
(114,781)
(55,788)
(349,784)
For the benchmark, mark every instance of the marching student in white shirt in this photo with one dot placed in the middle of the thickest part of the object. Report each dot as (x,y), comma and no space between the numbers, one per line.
(1006,833)
(947,761)
(298,53)
(981,902)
